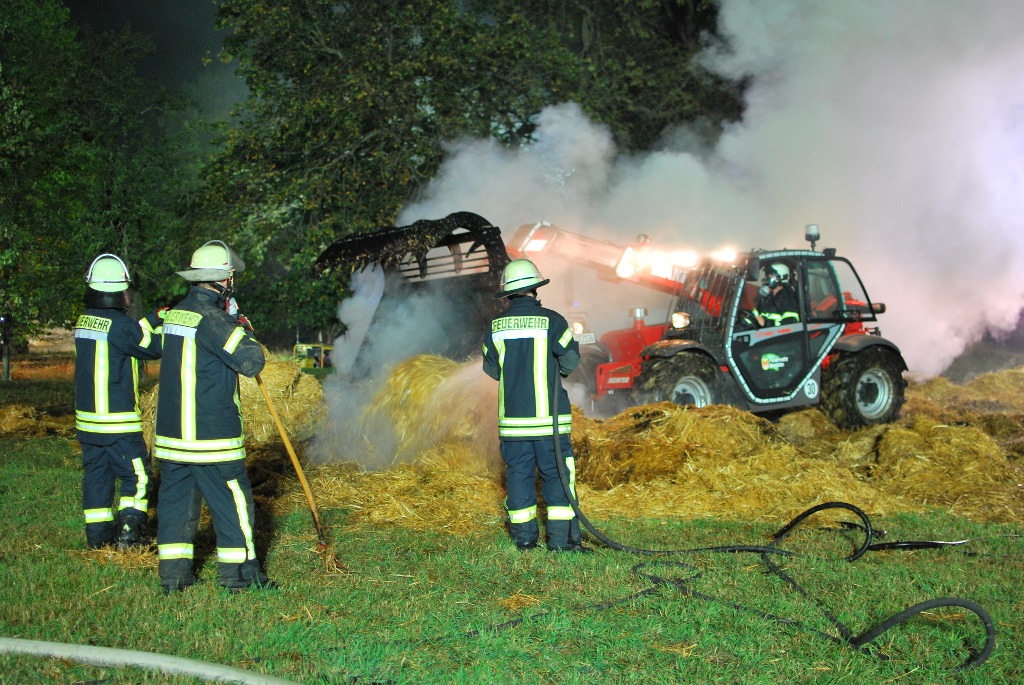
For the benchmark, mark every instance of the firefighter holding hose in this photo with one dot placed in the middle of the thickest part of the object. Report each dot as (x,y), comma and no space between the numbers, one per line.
(526,349)
(108,423)
(199,439)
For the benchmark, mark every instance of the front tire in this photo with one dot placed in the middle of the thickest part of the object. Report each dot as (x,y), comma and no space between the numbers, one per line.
(591,356)
(864,388)
(688,378)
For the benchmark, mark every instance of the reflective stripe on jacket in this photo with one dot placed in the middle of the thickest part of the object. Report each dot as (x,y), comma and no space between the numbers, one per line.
(108,345)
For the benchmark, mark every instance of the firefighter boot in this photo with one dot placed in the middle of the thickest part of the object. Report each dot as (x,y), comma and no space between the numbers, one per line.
(99,535)
(245,576)
(131,530)
(564,536)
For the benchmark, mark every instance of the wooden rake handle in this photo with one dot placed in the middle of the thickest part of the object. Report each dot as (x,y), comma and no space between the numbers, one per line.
(295,461)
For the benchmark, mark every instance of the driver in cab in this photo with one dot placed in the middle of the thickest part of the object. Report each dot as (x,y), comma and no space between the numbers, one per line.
(777,302)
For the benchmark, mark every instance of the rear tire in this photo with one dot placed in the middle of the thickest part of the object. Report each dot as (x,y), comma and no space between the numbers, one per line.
(863,388)
(688,378)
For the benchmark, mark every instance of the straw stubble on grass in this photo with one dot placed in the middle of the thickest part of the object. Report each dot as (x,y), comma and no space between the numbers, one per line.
(430,582)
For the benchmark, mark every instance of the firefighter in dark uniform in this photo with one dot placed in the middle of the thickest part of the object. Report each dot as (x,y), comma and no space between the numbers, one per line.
(199,439)
(777,302)
(108,345)
(525,349)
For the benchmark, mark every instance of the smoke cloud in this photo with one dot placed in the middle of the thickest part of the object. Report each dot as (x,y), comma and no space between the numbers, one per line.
(897,127)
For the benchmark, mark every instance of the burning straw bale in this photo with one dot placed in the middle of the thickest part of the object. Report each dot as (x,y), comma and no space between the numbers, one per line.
(434,410)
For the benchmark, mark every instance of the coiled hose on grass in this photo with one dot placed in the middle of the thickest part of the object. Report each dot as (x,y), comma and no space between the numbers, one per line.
(858,642)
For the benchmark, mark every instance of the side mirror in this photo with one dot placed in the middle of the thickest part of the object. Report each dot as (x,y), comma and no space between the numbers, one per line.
(753,269)
(878,307)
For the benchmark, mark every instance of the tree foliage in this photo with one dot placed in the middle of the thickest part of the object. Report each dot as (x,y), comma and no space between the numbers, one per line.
(351,103)
(84,164)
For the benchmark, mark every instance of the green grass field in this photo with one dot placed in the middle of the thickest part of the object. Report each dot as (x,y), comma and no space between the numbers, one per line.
(430,607)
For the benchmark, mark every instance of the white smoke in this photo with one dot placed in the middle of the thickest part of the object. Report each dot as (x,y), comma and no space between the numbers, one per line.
(898,127)
(404,323)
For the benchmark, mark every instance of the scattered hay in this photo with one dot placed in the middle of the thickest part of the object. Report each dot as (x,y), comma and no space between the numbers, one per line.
(412,496)
(659,440)
(23,420)
(665,461)
(519,601)
(1002,391)
(17,418)
(133,558)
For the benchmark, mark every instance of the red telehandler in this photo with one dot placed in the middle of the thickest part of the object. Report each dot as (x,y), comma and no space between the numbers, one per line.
(709,349)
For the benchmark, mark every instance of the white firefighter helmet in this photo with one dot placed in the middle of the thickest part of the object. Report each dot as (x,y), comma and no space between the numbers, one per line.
(108,274)
(214,261)
(520,276)
(777,273)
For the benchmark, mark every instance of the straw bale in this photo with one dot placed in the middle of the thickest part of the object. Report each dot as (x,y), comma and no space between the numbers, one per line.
(438,410)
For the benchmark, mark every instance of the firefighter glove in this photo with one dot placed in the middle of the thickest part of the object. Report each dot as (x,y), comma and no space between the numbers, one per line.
(244,323)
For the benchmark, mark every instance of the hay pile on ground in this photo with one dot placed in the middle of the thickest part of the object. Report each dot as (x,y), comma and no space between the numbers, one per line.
(665,461)
(413,496)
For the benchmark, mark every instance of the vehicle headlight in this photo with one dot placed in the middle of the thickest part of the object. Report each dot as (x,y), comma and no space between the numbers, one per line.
(577,327)
(680,320)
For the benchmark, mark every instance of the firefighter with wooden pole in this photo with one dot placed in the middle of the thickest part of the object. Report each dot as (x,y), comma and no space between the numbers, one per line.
(199,441)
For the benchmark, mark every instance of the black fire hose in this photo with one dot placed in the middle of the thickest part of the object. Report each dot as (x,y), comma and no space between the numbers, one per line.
(858,642)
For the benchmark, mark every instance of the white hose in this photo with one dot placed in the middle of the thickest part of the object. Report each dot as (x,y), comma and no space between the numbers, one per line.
(108,656)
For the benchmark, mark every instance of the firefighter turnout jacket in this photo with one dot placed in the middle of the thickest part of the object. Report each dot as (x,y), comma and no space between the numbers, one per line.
(526,346)
(199,418)
(108,346)
(779,307)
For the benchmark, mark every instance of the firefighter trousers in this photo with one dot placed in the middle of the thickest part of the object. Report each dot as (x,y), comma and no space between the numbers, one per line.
(523,460)
(225,487)
(126,460)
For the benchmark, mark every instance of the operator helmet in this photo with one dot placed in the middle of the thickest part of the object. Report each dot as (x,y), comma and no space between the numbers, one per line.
(108,274)
(520,276)
(776,274)
(214,261)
